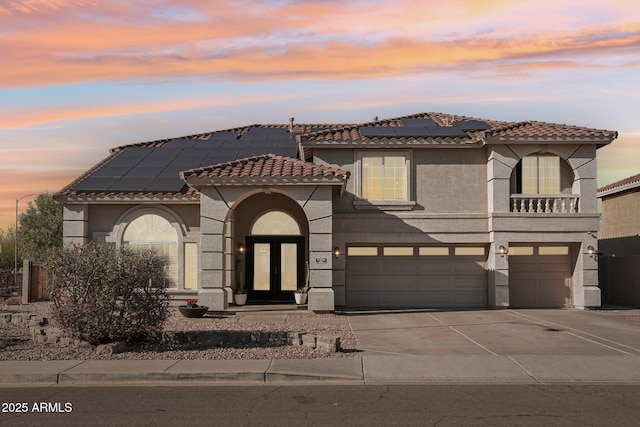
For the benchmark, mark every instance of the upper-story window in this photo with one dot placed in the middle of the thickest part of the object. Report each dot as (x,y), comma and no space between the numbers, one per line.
(384,177)
(541,174)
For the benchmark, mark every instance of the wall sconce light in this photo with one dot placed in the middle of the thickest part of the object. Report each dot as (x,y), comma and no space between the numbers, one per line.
(503,251)
(241,249)
(591,251)
(336,252)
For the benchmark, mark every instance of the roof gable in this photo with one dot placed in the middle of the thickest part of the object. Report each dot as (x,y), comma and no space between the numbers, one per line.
(268,168)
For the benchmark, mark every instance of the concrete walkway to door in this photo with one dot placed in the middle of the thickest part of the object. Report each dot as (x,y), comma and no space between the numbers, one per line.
(499,346)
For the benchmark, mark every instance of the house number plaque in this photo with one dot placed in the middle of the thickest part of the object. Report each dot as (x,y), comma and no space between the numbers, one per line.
(321,260)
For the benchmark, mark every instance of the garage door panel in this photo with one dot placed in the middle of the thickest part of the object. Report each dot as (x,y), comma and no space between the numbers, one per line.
(540,281)
(419,281)
(428,266)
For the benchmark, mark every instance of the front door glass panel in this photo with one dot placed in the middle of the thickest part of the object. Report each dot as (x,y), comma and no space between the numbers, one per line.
(288,267)
(262,267)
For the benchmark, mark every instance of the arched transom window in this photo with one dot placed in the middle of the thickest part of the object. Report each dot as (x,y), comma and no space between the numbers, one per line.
(152,231)
(275,223)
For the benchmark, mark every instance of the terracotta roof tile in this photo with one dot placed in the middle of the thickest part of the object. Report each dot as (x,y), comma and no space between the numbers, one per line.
(623,184)
(268,165)
(529,130)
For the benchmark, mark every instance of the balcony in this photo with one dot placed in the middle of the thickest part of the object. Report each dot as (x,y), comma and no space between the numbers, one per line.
(544,203)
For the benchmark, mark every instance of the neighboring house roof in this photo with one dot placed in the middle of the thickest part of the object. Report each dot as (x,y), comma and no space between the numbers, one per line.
(264,169)
(151,170)
(620,186)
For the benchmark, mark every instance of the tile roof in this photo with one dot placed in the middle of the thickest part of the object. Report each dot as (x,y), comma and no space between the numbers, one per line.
(498,131)
(266,166)
(257,140)
(620,186)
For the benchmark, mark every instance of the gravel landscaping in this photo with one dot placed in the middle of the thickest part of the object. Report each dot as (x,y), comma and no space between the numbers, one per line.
(16,342)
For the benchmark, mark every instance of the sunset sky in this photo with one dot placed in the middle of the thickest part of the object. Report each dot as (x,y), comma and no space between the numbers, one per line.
(78,77)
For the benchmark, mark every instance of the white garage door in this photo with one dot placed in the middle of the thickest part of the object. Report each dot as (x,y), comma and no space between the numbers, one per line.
(412,277)
(539,276)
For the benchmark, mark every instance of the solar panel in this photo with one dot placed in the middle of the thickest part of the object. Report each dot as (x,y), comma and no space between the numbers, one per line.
(225,135)
(220,155)
(447,131)
(165,184)
(130,184)
(473,125)
(142,171)
(291,151)
(369,131)
(194,153)
(92,183)
(419,122)
(207,143)
(111,171)
(136,184)
(408,131)
(261,143)
(131,156)
(180,143)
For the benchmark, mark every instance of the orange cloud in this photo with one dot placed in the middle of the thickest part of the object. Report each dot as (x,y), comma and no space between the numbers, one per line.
(297,40)
(16,118)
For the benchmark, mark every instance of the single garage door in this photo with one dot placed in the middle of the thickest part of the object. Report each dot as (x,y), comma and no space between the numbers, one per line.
(416,277)
(539,276)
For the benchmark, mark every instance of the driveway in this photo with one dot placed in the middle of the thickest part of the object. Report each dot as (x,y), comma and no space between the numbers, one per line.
(499,345)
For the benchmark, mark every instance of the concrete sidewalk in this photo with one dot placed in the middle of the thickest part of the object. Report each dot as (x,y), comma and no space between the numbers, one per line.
(366,369)
(419,347)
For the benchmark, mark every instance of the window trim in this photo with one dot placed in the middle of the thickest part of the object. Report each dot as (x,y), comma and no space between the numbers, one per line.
(383,204)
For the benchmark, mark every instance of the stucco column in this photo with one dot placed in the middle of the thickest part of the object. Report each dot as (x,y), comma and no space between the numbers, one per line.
(213,211)
(319,210)
(586,292)
(75,226)
(498,276)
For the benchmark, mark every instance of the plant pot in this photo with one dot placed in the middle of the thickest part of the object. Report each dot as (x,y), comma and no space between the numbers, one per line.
(301,297)
(193,312)
(240,299)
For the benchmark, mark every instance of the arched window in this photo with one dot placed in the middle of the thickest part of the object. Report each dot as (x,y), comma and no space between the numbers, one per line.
(152,231)
(541,174)
(275,223)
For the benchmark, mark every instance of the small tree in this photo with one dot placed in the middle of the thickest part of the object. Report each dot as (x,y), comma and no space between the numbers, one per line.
(40,228)
(102,294)
(7,248)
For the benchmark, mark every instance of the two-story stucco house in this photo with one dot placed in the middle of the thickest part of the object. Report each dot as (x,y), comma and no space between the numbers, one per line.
(427,210)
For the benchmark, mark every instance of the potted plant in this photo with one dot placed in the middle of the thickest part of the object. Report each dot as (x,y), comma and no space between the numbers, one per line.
(300,294)
(240,296)
(192,309)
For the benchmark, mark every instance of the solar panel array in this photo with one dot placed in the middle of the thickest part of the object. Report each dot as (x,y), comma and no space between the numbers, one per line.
(424,128)
(156,169)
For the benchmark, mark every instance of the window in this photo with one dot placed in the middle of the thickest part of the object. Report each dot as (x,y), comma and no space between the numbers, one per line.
(384,177)
(362,251)
(276,223)
(154,232)
(541,174)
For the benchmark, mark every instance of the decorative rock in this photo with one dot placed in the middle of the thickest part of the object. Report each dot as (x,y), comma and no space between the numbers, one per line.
(328,344)
(13,301)
(111,348)
(309,340)
(295,338)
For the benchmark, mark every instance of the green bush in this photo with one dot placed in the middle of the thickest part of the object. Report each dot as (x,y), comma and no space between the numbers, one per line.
(102,294)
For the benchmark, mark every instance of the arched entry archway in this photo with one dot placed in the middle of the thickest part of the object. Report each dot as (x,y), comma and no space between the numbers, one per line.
(275,257)
(274,231)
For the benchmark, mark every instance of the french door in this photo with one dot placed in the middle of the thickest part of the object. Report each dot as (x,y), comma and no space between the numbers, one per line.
(275,267)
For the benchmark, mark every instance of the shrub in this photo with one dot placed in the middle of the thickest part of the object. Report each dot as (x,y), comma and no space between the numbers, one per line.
(102,294)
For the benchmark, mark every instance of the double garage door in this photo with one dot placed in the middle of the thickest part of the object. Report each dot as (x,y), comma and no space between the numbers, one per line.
(416,277)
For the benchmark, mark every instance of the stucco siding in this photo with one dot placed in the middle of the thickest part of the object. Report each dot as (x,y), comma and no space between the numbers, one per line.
(620,215)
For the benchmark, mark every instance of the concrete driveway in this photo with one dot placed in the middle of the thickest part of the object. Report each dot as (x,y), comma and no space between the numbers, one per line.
(499,345)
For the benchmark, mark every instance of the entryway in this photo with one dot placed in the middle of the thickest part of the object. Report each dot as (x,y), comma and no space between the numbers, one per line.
(275,267)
